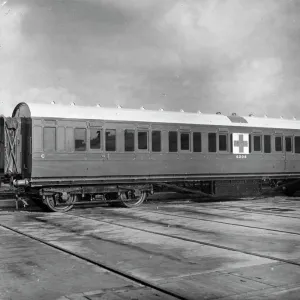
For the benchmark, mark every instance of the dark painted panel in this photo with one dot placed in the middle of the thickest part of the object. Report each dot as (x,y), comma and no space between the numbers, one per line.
(97,164)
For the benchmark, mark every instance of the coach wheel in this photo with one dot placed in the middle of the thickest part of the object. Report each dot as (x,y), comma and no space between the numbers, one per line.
(130,199)
(57,203)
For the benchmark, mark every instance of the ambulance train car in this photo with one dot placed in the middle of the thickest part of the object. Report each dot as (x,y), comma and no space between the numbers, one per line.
(58,155)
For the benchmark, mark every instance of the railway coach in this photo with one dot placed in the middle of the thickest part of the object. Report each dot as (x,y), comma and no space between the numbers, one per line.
(58,155)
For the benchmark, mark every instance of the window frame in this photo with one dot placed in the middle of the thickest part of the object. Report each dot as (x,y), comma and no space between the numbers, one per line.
(261,143)
(193,140)
(292,144)
(216,142)
(116,140)
(296,136)
(137,140)
(134,140)
(86,139)
(227,142)
(282,143)
(264,148)
(180,144)
(160,140)
(177,140)
(101,139)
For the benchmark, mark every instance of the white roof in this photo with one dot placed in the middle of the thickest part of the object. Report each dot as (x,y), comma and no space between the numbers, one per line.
(41,110)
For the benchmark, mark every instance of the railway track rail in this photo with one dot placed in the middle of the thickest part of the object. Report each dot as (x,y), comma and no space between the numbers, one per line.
(257,211)
(192,246)
(266,211)
(200,219)
(252,253)
(100,264)
(234,208)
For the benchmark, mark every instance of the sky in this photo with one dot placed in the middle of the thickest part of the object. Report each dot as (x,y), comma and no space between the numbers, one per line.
(230,56)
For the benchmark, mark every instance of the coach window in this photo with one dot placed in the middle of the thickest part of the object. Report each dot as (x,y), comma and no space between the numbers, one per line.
(197,142)
(143,140)
(173,142)
(49,139)
(95,139)
(129,140)
(278,143)
(222,142)
(288,144)
(267,143)
(185,141)
(156,141)
(297,144)
(80,139)
(110,139)
(212,142)
(257,143)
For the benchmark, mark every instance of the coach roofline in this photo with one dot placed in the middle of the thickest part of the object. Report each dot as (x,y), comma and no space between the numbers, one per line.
(59,111)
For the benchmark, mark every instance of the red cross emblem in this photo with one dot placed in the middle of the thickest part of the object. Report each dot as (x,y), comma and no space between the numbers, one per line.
(240,143)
